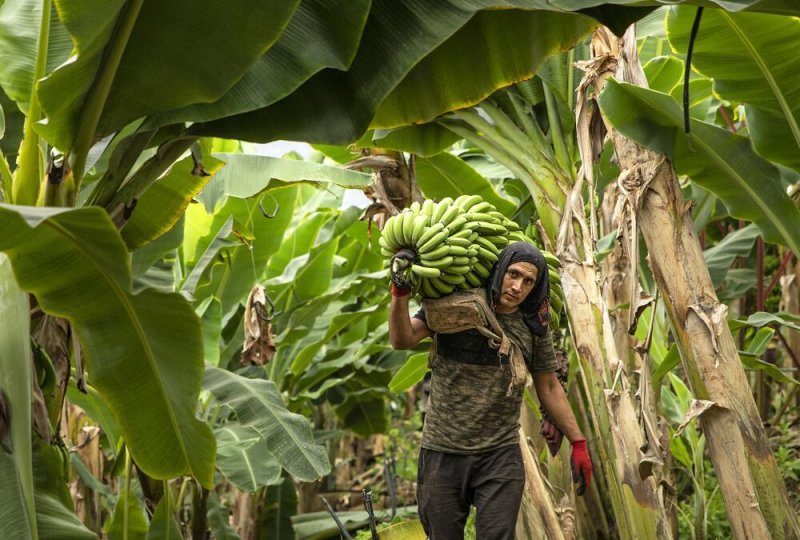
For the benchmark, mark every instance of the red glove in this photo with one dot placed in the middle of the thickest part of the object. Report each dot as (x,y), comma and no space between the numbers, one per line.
(400,291)
(581,466)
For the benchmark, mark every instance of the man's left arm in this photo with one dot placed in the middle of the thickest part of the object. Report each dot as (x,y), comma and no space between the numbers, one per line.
(555,402)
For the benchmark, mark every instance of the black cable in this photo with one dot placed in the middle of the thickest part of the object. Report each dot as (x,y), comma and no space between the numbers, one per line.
(688,69)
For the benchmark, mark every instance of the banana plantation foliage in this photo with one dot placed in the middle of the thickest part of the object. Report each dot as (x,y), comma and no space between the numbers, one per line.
(193,333)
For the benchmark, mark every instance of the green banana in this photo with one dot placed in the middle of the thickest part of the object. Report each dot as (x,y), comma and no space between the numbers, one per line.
(473,279)
(481,207)
(453,279)
(457,251)
(438,250)
(408,228)
(469,201)
(428,233)
(433,243)
(498,240)
(449,215)
(483,242)
(453,269)
(419,226)
(427,208)
(456,241)
(425,271)
(486,255)
(442,286)
(443,262)
(428,290)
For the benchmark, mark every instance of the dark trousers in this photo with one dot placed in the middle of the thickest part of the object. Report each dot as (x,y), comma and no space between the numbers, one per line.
(448,484)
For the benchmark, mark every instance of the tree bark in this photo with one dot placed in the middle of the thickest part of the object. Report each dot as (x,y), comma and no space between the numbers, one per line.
(617,441)
(750,482)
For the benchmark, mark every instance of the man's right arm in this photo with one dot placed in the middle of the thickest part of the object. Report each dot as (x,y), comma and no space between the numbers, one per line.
(405,332)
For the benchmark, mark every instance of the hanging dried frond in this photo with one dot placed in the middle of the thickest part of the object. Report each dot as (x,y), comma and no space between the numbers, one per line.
(259,343)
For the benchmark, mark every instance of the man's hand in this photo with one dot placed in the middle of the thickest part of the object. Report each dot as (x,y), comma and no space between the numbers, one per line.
(552,435)
(581,466)
(397,266)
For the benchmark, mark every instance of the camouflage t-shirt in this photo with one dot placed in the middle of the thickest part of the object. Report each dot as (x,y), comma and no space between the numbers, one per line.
(469,411)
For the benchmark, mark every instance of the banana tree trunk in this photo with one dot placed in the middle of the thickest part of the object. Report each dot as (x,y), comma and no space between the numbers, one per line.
(537,514)
(750,482)
(638,507)
(619,280)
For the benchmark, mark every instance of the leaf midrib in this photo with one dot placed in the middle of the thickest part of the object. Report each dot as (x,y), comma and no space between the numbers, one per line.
(774,219)
(246,458)
(123,297)
(764,68)
(280,421)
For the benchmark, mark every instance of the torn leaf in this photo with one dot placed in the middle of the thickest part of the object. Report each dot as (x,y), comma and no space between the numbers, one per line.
(259,344)
(698,407)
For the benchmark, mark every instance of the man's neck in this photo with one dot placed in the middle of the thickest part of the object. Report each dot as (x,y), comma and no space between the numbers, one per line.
(506,310)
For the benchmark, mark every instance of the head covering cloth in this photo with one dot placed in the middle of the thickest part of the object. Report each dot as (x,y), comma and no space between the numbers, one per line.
(536,306)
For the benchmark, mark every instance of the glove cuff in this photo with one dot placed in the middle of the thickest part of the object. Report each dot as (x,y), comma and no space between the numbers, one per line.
(580,444)
(399,292)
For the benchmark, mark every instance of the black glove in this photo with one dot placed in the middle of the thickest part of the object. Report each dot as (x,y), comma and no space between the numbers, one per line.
(398,264)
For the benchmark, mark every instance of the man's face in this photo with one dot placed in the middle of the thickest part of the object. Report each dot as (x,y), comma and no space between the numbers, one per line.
(518,282)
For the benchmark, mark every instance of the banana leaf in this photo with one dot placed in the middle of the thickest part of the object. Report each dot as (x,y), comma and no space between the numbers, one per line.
(157,67)
(280,505)
(720,257)
(164,526)
(752,59)
(321,34)
(413,371)
(55,517)
(243,457)
(719,161)
(445,175)
(165,201)
(143,352)
(258,405)
(17,509)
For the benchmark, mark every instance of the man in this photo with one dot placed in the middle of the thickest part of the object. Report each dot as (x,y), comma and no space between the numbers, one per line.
(470,451)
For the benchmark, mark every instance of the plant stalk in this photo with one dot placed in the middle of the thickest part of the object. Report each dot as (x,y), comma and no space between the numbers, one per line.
(24,188)
(98,94)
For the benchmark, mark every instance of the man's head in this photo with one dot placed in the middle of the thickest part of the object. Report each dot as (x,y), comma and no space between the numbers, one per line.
(518,282)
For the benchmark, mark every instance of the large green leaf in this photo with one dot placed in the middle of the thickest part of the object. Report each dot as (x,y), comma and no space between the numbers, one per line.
(322,33)
(411,373)
(245,175)
(219,520)
(330,327)
(364,410)
(55,517)
(663,73)
(143,352)
(245,263)
(335,106)
(20,22)
(258,405)
(751,65)
(445,175)
(719,161)
(496,49)
(166,200)
(17,512)
(98,410)
(280,504)
(158,69)
(164,526)
(243,457)
(129,521)
(720,257)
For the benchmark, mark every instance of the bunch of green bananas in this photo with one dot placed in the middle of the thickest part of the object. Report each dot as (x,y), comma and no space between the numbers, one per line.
(456,243)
